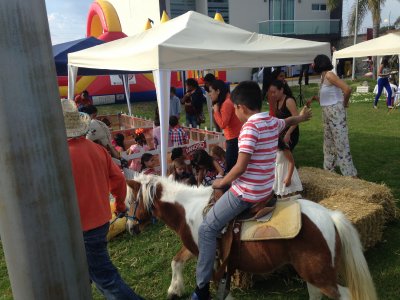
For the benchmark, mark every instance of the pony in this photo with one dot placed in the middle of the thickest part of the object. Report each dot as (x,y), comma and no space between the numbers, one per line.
(326,246)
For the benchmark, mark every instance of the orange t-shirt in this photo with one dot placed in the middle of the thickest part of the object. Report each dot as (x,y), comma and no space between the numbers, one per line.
(95,176)
(227,120)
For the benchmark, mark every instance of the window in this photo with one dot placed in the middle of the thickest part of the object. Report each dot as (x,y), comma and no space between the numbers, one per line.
(179,7)
(282,14)
(318,7)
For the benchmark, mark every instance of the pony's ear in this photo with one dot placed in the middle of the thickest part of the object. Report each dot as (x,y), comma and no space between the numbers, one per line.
(134,185)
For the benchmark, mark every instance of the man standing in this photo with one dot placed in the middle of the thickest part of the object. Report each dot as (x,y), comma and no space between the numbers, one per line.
(95,176)
(304,71)
(193,101)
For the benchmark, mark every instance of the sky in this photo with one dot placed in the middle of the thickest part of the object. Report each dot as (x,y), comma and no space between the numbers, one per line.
(67,19)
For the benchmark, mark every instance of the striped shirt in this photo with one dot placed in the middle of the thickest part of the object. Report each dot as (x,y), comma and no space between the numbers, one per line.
(258,137)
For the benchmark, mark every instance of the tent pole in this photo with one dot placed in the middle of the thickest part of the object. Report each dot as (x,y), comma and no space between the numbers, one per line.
(355,42)
(39,217)
(127,90)
(72,74)
(162,81)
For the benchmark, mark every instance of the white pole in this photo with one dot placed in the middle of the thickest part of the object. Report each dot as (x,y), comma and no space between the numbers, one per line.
(162,80)
(125,80)
(39,217)
(355,41)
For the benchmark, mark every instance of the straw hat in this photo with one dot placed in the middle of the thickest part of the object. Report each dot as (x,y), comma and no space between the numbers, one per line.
(76,123)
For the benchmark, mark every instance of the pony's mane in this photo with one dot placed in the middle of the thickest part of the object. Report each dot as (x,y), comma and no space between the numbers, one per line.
(149,186)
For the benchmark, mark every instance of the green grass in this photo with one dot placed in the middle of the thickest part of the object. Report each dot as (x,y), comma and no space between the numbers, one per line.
(144,260)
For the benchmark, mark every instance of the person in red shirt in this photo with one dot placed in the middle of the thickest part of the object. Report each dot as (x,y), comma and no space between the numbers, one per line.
(95,177)
(83,100)
(224,116)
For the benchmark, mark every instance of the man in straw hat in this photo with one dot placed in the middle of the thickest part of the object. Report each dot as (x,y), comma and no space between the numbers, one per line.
(95,176)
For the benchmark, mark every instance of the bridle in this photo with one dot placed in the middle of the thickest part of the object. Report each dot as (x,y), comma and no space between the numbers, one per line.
(136,205)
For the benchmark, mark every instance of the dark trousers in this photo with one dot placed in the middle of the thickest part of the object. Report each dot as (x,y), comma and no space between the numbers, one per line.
(304,70)
(232,152)
(101,270)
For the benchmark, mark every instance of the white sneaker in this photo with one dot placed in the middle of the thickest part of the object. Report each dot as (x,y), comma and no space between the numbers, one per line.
(376,107)
(390,107)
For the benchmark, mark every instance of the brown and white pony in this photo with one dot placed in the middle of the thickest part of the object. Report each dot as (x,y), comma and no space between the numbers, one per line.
(327,242)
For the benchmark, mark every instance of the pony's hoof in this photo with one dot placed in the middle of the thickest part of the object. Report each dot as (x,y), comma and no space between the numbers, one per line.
(173,297)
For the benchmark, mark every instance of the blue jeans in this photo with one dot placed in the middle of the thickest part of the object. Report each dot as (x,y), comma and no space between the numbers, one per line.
(226,208)
(191,119)
(101,270)
(384,82)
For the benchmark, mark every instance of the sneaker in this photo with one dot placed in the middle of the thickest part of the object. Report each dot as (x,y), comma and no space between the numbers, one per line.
(376,107)
(390,107)
(201,293)
(196,297)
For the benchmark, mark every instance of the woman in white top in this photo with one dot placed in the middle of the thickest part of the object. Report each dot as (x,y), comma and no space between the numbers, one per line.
(334,95)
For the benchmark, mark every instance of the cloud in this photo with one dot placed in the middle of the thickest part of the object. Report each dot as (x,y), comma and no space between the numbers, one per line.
(67,19)
(66,27)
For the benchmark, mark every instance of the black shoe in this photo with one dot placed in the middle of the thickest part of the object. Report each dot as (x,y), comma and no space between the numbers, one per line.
(201,293)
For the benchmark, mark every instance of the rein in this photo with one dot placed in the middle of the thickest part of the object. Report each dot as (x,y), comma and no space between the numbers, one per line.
(136,203)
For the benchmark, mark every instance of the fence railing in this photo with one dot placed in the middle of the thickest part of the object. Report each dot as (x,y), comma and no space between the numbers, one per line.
(299,27)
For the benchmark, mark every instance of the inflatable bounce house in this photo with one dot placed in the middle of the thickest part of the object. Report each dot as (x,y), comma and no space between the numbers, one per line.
(104,24)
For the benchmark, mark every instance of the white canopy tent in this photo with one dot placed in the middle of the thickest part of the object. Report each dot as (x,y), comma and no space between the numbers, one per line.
(191,42)
(388,44)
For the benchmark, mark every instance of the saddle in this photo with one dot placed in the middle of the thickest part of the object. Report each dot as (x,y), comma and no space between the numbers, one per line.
(256,224)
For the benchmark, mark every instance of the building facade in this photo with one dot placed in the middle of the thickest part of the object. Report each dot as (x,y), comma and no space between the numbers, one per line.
(306,19)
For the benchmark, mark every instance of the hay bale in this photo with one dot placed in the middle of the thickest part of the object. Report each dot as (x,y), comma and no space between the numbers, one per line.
(319,184)
(368,218)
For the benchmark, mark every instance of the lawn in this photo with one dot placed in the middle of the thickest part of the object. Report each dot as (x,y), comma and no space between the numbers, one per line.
(144,261)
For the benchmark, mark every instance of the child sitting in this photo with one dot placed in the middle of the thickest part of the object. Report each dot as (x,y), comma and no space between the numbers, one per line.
(287,180)
(219,155)
(251,178)
(148,164)
(118,142)
(178,153)
(207,169)
(141,145)
(179,172)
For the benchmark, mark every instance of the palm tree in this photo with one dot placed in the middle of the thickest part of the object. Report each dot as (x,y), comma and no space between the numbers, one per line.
(397,22)
(374,6)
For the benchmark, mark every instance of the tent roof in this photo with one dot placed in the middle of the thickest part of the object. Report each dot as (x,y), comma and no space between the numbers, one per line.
(195,41)
(60,54)
(388,44)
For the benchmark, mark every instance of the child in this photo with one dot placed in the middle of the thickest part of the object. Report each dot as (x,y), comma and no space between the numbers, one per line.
(118,142)
(179,172)
(141,145)
(176,133)
(207,169)
(219,155)
(175,104)
(148,164)
(287,180)
(251,178)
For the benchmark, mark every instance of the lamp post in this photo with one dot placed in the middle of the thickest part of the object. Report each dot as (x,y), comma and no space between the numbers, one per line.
(355,41)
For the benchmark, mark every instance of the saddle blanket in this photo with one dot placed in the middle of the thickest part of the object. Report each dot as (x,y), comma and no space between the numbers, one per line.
(285,223)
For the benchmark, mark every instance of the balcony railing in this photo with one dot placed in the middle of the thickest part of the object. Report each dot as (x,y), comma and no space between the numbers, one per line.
(299,27)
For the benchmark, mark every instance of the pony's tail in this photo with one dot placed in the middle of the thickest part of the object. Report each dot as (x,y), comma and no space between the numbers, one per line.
(354,265)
